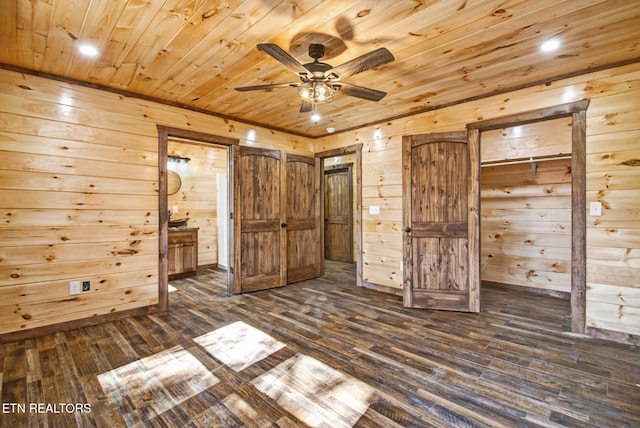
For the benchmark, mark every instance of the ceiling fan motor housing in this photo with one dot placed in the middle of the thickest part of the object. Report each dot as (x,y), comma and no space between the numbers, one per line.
(316,50)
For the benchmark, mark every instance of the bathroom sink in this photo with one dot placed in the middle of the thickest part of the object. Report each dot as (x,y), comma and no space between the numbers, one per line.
(178,222)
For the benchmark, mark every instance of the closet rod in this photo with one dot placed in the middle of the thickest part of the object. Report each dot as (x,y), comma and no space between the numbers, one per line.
(525,160)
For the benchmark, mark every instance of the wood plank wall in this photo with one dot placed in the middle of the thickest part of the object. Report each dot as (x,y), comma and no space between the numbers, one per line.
(197,197)
(526,225)
(78,197)
(534,140)
(382,186)
(613,177)
(78,189)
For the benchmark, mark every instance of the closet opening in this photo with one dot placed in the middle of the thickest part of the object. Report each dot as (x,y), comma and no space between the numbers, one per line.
(525,199)
(544,152)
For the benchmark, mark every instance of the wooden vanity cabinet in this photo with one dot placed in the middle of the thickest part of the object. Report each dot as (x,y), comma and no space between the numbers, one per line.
(182,252)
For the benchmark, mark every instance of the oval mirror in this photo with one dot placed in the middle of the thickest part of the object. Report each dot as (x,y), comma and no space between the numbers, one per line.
(174,182)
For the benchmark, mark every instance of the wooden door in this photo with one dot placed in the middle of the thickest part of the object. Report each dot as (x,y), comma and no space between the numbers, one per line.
(441,201)
(259,235)
(303,221)
(338,208)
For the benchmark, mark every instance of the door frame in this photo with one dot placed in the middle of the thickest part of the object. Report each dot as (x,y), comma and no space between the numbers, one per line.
(577,111)
(333,169)
(357,149)
(164,133)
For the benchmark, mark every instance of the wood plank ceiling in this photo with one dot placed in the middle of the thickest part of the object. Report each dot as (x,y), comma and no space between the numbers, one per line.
(194,52)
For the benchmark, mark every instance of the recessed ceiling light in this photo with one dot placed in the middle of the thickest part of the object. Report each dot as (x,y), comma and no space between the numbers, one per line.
(550,45)
(88,50)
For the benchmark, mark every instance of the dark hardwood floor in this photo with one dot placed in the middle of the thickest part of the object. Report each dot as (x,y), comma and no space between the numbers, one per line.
(323,353)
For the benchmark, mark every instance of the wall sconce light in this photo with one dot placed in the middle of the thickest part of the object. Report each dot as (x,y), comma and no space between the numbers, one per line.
(179,159)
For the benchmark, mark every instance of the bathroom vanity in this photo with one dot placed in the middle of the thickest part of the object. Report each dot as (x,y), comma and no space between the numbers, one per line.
(182,253)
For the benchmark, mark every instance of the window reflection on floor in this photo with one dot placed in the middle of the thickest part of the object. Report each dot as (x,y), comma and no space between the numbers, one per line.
(241,408)
(239,345)
(306,388)
(152,385)
(316,393)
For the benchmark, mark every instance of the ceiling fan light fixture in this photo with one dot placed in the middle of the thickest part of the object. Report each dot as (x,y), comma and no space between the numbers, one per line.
(315,116)
(316,92)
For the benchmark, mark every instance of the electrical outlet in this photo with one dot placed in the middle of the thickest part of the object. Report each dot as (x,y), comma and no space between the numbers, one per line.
(374,209)
(74,287)
(86,286)
(175,209)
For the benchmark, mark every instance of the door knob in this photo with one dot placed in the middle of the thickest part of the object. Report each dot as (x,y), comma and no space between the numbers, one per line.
(407,229)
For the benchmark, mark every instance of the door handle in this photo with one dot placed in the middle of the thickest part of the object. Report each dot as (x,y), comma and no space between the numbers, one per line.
(407,229)
(283,225)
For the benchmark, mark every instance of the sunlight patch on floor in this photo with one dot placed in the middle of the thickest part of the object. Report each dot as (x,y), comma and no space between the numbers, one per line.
(153,385)
(315,393)
(242,409)
(239,345)
(172,288)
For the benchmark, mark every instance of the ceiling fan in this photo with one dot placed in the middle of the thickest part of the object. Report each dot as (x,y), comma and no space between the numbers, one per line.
(319,81)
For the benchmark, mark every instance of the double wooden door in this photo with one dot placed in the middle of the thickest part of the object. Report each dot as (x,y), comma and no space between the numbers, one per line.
(441,204)
(277,233)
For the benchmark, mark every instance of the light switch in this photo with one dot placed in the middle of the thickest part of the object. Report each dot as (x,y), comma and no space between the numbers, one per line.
(74,287)
(595,209)
(374,209)
(175,209)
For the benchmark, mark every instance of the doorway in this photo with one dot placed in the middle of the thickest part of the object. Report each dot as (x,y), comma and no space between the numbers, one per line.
(526,206)
(576,111)
(197,139)
(197,218)
(335,162)
(338,213)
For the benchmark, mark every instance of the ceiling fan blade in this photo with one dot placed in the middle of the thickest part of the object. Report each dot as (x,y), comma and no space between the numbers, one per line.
(362,63)
(266,87)
(306,107)
(360,92)
(284,58)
